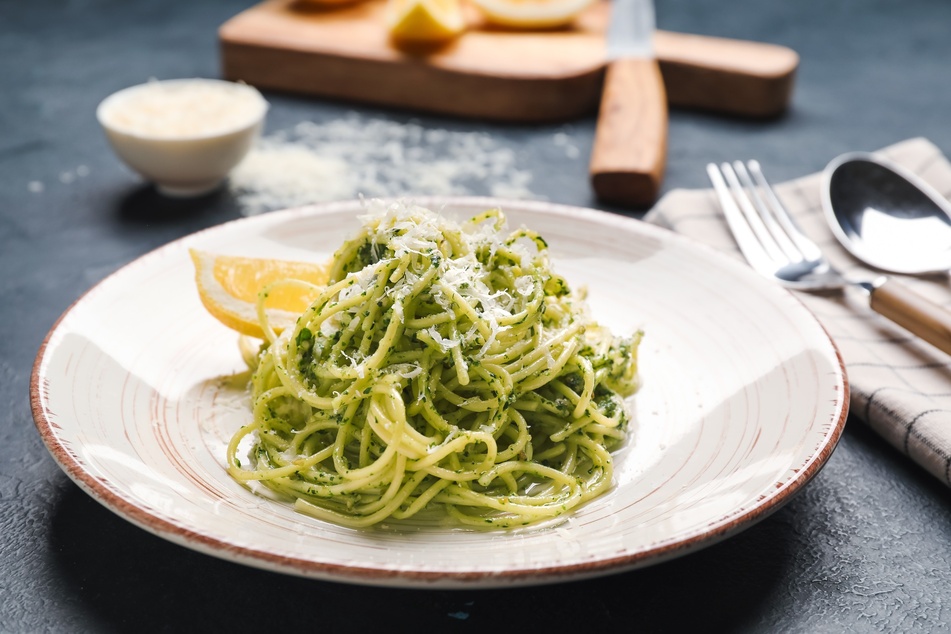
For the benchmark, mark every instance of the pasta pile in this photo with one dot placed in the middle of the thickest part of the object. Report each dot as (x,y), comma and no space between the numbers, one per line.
(445,372)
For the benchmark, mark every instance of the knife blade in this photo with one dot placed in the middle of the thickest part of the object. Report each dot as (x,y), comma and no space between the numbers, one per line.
(629,154)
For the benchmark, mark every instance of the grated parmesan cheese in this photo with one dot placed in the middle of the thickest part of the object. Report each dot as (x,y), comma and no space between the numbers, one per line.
(357,155)
(405,228)
(183,108)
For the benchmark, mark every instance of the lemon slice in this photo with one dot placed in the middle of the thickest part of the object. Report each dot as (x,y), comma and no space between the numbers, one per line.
(425,20)
(229,285)
(532,14)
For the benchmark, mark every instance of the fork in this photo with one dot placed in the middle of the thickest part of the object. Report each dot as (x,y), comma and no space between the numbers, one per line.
(777,248)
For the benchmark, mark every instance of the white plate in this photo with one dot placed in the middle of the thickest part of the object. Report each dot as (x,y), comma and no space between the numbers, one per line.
(744,398)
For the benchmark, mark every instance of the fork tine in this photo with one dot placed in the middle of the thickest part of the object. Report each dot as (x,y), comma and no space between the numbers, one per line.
(767,213)
(752,216)
(750,245)
(809,249)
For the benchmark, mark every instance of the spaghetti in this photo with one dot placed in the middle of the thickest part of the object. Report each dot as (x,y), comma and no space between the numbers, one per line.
(444,372)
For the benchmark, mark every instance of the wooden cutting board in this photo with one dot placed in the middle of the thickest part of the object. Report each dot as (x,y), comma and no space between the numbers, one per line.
(488,73)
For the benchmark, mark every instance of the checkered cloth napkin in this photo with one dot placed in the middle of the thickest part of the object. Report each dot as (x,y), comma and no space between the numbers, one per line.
(901,386)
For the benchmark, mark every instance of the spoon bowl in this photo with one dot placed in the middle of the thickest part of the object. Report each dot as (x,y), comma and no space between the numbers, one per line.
(886,216)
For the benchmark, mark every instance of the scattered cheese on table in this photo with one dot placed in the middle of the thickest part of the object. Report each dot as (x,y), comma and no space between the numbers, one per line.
(358,155)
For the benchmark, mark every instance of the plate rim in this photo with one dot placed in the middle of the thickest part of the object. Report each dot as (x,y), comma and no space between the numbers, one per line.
(364,575)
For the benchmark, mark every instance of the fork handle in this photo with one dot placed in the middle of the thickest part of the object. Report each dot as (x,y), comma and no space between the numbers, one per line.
(914,313)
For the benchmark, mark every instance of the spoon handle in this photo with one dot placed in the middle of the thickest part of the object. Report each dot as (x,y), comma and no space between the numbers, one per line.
(913,312)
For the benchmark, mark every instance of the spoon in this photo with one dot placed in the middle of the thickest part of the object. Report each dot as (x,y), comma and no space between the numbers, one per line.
(886,216)
(892,220)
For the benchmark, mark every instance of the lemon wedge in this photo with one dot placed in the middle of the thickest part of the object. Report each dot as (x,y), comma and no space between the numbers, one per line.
(425,20)
(229,285)
(532,14)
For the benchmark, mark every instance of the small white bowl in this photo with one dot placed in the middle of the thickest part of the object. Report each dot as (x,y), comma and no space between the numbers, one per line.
(184,135)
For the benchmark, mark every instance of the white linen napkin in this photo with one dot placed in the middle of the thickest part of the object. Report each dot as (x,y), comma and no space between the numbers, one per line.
(900,385)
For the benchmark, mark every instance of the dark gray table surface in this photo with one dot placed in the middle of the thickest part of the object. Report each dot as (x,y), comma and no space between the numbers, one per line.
(864,547)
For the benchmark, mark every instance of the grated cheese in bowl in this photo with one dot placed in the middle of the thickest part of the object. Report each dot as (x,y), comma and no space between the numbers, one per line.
(184,135)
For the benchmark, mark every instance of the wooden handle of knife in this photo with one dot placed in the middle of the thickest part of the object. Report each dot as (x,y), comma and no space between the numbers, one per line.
(914,313)
(630,143)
